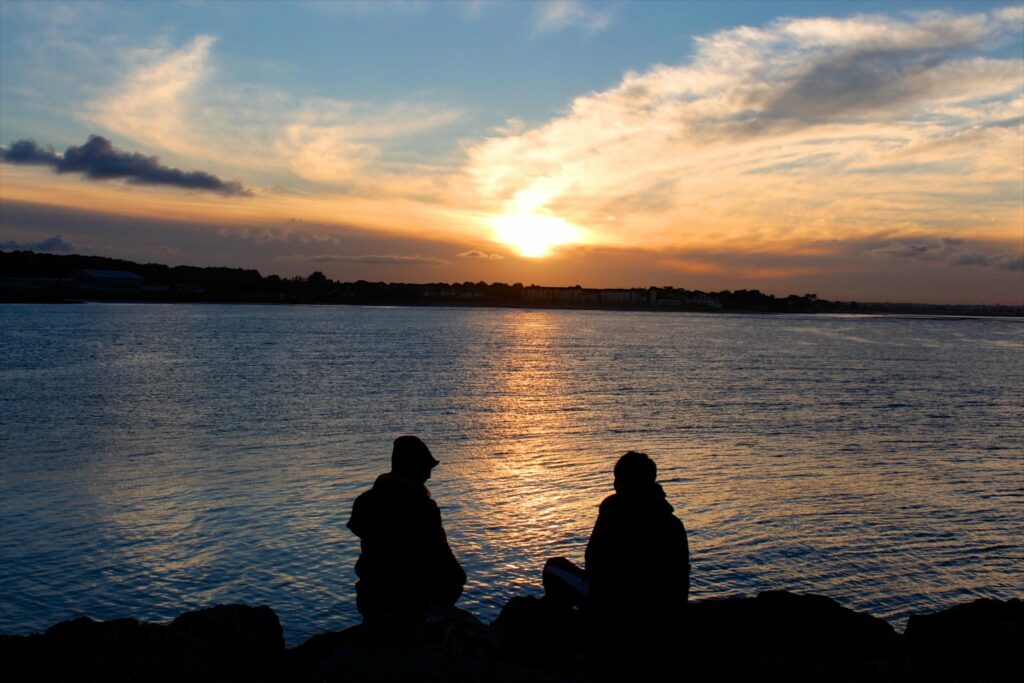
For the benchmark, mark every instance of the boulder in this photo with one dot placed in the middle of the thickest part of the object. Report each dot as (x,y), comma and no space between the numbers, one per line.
(979,640)
(538,627)
(775,636)
(443,645)
(87,650)
(777,619)
(983,623)
(223,643)
(229,642)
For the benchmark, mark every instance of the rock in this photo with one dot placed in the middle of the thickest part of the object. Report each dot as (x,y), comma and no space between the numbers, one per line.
(229,642)
(546,636)
(783,619)
(787,636)
(534,626)
(979,640)
(224,643)
(983,623)
(305,658)
(83,649)
(458,631)
(776,636)
(443,645)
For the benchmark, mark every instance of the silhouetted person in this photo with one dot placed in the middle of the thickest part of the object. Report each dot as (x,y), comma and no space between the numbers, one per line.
(406,565)
(638,556)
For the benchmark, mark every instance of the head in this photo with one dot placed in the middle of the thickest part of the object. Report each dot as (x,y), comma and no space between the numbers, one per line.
(634,471)
(411,458)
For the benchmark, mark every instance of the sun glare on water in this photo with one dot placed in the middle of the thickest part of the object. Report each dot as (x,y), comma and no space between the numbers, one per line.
(535,235)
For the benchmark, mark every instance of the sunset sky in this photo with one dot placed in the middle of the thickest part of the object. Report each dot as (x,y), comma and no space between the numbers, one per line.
(859,150)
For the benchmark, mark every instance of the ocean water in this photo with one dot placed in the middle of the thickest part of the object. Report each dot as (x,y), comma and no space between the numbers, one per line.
(158,458)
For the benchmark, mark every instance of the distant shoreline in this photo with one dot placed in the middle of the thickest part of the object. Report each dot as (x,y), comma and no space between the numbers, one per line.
(919,311)
(894,310)
(29,277)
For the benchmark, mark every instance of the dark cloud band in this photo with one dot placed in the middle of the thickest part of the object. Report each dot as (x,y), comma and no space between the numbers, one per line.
(952,251)
(99,159)
(51,244)
(477,254)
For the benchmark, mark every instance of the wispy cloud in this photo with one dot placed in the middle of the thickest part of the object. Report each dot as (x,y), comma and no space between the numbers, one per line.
(333,141)
(558,15)
(804,128)
(100,160)
(56,244)
(154,104)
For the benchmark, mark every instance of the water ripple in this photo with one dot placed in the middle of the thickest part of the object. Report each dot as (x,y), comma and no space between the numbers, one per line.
(161,458)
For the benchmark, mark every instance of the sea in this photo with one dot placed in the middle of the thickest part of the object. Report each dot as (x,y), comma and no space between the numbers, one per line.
(160,458)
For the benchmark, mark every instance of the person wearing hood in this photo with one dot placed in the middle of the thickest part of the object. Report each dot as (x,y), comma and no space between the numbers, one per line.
(406,565)
(638,556)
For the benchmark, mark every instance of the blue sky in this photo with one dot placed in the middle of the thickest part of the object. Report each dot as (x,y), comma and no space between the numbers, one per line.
(427,131)
(492,59)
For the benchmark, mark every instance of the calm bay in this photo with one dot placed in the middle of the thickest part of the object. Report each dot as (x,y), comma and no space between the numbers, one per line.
(157,458)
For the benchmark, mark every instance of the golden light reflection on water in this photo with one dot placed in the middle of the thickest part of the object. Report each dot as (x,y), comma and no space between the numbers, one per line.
(536,469)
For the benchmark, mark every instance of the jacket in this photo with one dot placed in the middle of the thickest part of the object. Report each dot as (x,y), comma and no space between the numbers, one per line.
(638,556)
(406,562)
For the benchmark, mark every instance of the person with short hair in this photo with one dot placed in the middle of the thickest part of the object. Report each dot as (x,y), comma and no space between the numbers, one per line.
(638,556)
(406,564)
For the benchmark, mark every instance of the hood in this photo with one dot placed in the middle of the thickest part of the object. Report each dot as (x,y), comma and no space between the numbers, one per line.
(393,482)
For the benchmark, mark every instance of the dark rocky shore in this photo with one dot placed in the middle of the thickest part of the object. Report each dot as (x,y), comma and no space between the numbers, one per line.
(777,636)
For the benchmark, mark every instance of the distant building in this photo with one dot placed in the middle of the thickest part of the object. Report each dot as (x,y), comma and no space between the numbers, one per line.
(621,297)
(108,279)
(579,295)
(703,299)
(680,297)
(560,295)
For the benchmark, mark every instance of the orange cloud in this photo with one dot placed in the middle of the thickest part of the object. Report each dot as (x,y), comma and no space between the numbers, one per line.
(809,128)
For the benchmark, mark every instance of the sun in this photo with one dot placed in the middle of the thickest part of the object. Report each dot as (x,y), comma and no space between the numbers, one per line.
(534,235)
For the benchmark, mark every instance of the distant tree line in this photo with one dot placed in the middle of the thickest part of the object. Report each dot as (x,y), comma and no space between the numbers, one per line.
(30,276)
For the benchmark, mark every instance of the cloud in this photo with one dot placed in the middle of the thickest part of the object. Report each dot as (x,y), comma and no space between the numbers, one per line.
(336,141)
(100,160)
(209,239)
(557,15)
(380,260)
(475,254)
(1013,263)
(51,244)
(803,128)
(154,103)
(951,251)
(178,101)
(28,152)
